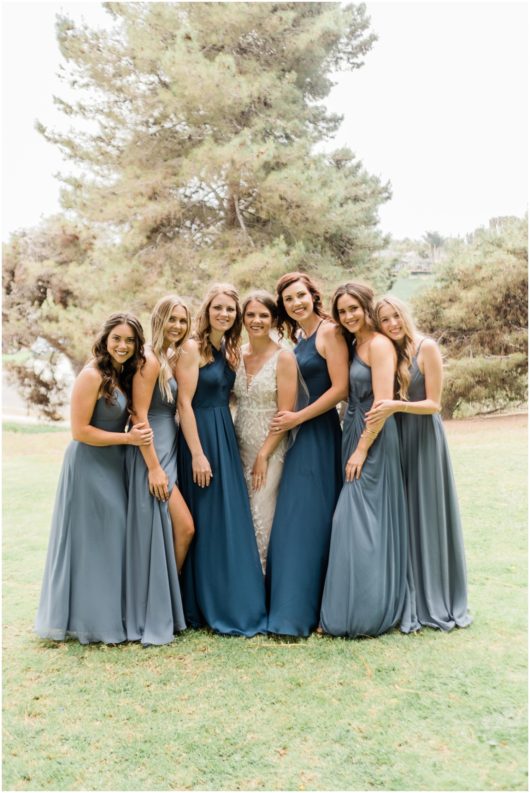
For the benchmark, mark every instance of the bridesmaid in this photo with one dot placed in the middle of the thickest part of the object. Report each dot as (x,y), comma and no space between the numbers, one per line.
(312,477)
(266,382)
(437,591)
(366,578)
(83,586)
(159,524)
(222,579)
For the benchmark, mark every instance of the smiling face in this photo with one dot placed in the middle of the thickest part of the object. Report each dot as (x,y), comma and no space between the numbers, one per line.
(222,313)
(391,322)
(351,314)
(298,301)
(257,319)
(121,344)
(176,325)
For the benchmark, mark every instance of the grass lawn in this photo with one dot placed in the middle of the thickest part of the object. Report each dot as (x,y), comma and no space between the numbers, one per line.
(424,712)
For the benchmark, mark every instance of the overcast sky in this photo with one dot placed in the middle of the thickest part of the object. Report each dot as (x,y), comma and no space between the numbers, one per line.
(439,110)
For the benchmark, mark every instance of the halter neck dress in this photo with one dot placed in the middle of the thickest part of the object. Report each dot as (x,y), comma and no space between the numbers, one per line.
(154,610)
(437,581)
(222,581)
(83,588)
(366,577)
(309,488)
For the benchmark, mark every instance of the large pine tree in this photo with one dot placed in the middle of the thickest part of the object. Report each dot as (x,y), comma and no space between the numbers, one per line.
(202,157)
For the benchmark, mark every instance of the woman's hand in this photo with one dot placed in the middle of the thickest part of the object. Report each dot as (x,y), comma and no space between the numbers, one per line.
(259,472)
(355,464)
(202,473)
(140,435)
(284,420)
(380,411)
(158,483)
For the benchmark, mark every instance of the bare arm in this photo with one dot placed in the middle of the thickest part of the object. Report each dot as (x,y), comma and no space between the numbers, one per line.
(382,360)
(332,346)
(84,397)
(144,384)
(431,359)
(187,374)
(286,382)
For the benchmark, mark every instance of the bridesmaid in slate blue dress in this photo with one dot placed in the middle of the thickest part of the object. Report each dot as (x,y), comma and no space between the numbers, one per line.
(366,577)
(83,587)
(159,523)
(222,581)
(312,476)
(437,587)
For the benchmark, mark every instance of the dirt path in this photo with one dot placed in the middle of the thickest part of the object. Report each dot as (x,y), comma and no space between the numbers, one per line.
(508,421)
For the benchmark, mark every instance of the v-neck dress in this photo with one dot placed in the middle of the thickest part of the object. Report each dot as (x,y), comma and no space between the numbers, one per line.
(222,582)
(437,586)
(257,403)
(301,529)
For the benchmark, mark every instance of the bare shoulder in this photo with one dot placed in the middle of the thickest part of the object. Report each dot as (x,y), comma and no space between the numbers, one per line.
(329,330)
(286,361)
(429,346)
(90,375)
(189,353)
(380,344)
(152,364)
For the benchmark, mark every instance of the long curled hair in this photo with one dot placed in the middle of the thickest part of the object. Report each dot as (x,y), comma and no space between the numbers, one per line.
(232,337)
(166,356)
(364,295)
(266,299)
(111,378)
(284,320)
(406,347)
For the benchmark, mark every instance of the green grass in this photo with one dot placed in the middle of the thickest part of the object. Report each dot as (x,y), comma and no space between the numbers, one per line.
(424,712)
(30,429)
(407,286)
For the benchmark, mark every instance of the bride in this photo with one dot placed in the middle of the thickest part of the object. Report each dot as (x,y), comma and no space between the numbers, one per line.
(266,382)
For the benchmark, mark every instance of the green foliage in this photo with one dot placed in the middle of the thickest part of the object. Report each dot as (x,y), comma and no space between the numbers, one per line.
(195,161)
(223,713)
(478,311)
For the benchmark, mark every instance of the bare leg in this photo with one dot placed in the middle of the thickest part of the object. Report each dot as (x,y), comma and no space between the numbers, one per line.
(182,523)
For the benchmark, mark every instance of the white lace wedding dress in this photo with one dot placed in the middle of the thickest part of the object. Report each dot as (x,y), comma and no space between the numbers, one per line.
(256,397)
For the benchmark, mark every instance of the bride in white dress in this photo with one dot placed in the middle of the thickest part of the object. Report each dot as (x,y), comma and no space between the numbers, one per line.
(266,382)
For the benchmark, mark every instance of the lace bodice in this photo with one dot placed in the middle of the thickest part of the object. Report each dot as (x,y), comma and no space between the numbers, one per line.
(257,400)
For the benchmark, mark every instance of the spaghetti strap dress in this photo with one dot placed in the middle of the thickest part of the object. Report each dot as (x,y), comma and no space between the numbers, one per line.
(365,585)
(437,580)
(153,605)
(83,586)
(309,488)
(222,581)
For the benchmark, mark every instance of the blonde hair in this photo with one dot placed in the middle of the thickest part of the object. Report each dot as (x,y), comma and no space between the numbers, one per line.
(405,348)
(232,337)
(166,357)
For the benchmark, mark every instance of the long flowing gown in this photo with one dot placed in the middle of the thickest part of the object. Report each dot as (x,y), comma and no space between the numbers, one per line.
(153,605)
(83,586)
(257,403)
(222,581)
(309,488)
(437,586)
(366,577)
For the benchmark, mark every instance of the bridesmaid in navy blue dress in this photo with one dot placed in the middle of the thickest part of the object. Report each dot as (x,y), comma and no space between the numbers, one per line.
(366,578)
(83,587)
(312,475)
(437,581)
(159,523)
(222,580)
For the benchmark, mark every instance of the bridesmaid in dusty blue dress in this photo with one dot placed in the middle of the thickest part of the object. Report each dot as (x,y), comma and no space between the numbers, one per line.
(83,587)
(366,577)
(222,581)
(437,585)
(159,523)
(312,476)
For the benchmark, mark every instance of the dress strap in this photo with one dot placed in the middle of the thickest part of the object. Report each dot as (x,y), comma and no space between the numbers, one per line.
(419,347)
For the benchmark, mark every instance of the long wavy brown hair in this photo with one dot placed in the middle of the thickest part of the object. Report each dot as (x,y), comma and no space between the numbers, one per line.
(406,347)
(284,320)
(166,357)
(111,378)
(232,337)
(364,295)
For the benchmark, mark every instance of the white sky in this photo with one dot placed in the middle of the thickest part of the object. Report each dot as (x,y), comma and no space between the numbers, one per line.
(439,109)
